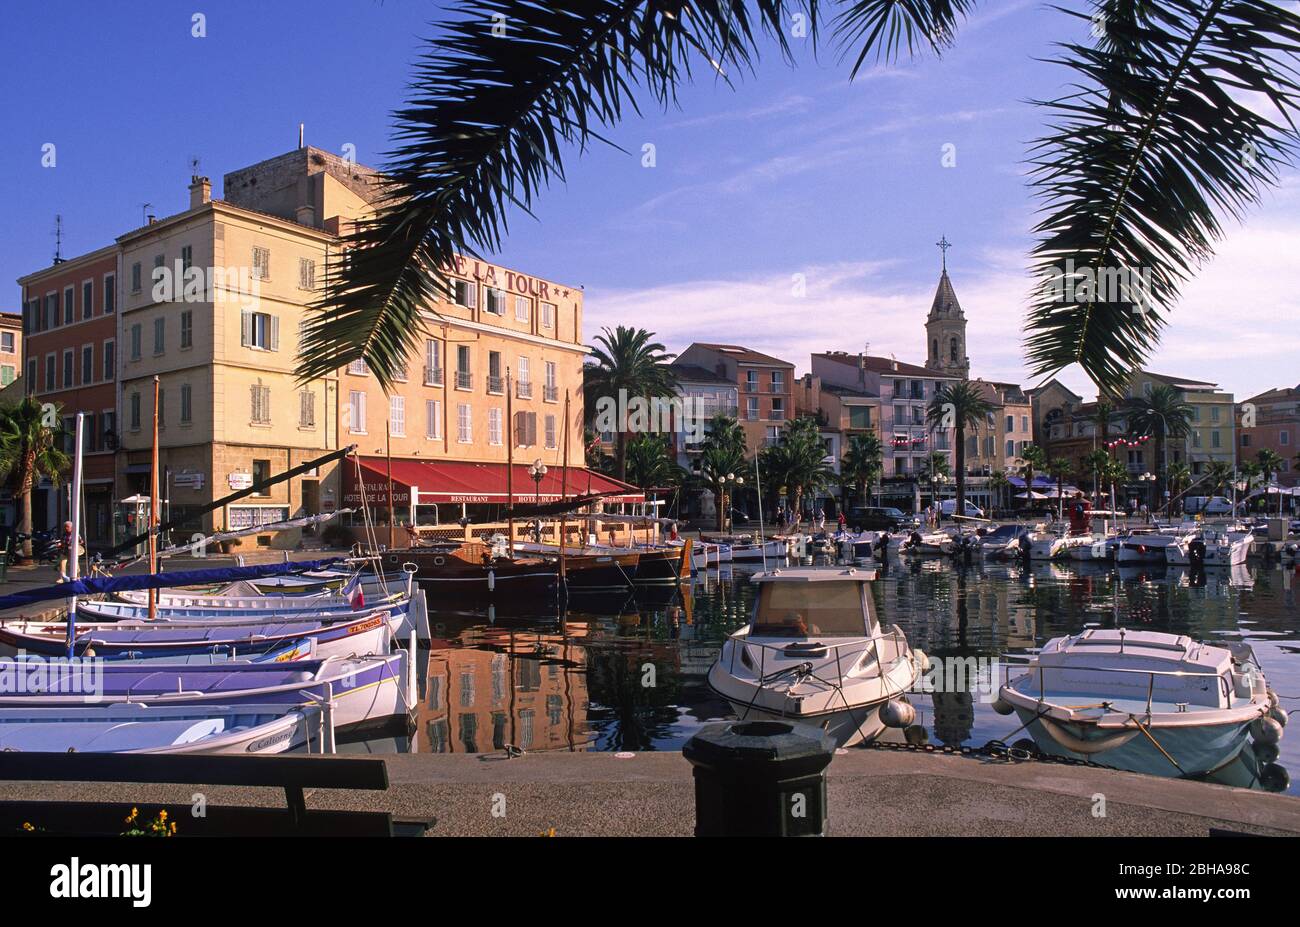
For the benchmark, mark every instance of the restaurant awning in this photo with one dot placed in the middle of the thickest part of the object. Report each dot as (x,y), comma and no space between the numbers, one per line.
(454,481)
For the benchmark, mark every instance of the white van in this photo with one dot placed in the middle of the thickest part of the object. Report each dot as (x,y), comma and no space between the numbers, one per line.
(948,506)
(1207,505)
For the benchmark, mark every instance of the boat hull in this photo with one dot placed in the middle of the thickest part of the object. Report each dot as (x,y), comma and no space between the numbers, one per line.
(847,727)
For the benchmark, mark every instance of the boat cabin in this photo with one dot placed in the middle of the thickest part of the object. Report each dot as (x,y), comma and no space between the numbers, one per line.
(803,602)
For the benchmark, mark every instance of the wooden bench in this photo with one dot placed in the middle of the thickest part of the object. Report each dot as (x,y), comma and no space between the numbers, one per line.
(291,773)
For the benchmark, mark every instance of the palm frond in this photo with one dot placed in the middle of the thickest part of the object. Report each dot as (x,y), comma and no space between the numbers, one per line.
(1155,146)
(887,27)
(499,93)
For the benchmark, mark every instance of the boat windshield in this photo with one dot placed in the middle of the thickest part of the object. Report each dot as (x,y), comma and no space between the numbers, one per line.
(803,609)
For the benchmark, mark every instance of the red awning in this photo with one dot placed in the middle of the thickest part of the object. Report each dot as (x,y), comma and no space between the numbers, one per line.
(461,481)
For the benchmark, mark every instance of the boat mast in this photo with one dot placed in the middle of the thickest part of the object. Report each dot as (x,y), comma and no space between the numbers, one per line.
(510,469)
(74,553)
(388,450)
(153,506)
(564,489)
(758,486)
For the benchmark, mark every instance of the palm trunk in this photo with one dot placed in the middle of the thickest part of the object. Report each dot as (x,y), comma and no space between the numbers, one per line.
(620,454)
(26,483)
(959,507)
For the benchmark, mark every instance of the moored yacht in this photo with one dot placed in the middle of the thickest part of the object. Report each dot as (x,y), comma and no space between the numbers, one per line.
(1144,701)
(1219,547)
(814,652)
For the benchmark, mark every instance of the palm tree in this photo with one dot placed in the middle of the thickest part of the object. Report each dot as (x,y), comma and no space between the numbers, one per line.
(1102,417)
(1059,469)
(625,363)
(1270,464)
(1033,459)
(722,459)
(1142,161)
(797,463)
(999,483)
(1217,477)
(1164,414)
(862,463)
(1115,475)
(958,406)
(31,441)
(1180,477)
(650,462)
(1095,463)
(932,468)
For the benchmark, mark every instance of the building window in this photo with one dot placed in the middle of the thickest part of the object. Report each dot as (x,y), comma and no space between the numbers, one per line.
(751,381)
(187,257)
(433,419)
(778,409)
(550,431)
(159,334)
(135,411)
(109,427)
(135,277)
(550,388)
(495,301)
(359,367)
(1284,437)
(31,374)
(524,388)
(69,294)
(357,412)
(1214,413)
(110,293)
(110,360)
(262,263)
(7,374)
(751,408)
(494,427)
(306,274)
(522,309)
(525,429)
(67,368)
(187,404)
(465,293)
(1245,440)
(464,423)
(464,378)
(432,363)
(87,364)
(1214,439)
(397,416)
(260,330)
(495,382)
(187,328)
(261,473)
(778,381)
(1011,448)
(7,342)
(261,396)
(137,337)
(306,409)
(88,299)
(548,315)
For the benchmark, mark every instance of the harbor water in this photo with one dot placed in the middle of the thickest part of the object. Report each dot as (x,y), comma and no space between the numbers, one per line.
(628,672)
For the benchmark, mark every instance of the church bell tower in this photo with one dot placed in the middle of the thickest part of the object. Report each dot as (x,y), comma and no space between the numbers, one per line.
(945,327)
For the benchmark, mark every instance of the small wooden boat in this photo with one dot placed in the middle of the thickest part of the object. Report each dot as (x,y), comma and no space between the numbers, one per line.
(470,573)
(589,571)
(135,728)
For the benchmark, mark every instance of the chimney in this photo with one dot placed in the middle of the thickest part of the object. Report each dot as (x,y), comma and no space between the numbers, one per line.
(200,191)
(893,362)
(152,218)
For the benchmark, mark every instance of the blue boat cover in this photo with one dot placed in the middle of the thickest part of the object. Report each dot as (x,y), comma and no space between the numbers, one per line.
(96,585)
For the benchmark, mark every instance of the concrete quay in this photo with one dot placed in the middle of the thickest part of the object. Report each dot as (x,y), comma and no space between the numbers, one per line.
(871,793)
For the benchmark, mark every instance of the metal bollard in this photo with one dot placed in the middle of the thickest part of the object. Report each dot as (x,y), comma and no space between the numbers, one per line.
(760,779)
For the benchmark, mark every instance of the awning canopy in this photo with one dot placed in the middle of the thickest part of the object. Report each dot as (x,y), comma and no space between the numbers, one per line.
(454,481)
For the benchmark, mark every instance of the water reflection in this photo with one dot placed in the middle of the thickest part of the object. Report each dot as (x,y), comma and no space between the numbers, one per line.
(628,672)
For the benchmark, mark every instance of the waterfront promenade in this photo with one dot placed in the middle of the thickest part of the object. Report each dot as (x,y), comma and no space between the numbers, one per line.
(871,793)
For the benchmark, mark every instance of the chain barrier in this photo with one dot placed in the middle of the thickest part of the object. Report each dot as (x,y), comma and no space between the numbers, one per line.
(994,748)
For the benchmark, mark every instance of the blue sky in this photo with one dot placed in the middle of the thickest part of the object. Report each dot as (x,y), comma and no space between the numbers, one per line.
(796,175)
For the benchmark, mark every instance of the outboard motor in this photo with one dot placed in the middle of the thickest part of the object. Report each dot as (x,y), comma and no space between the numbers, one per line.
(1024,544)
(1196,551)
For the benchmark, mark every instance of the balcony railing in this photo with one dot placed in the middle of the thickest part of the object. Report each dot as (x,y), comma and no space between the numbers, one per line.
(751,386)
(464,379)
(778,415)
(433,376)
(551,393)
(496,385)
(523,389)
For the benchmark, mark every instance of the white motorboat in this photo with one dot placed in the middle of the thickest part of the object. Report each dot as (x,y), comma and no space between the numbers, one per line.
(1101,549)
(1144,701)
(1222,548)
(814,652)
(928,544)
(1048,544)
(744,548)
(1146,545)
(1002,541)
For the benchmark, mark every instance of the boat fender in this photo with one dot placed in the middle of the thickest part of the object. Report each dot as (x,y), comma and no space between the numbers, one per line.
(492,580)
(1265,731)
(897,713)
(1266,753)
(922,660)
(1272,699)
(1275,778)
(1278,714)
(1002,706)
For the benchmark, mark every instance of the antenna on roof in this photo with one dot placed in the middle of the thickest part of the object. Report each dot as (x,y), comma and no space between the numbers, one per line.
(144,213)
(194,165)
(58,239)
(301,127)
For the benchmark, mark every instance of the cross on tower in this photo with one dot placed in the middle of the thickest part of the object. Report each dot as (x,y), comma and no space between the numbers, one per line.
(944,244)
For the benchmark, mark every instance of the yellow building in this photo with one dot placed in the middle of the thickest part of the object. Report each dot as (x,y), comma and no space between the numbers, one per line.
(1212,437)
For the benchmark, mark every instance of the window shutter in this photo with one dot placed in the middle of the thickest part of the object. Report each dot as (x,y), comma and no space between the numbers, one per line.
(471,295)
(246,328)
(274,337)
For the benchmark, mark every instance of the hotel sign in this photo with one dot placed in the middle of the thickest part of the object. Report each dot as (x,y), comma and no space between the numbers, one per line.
(377,494)
(508,280)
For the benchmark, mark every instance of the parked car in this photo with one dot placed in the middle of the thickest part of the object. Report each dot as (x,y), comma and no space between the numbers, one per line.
(948,506)
(879,518)
(739,518)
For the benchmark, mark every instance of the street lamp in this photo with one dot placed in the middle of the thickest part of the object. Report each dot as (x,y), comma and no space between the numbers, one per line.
(1149,478)
(730,480)
(537,471)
